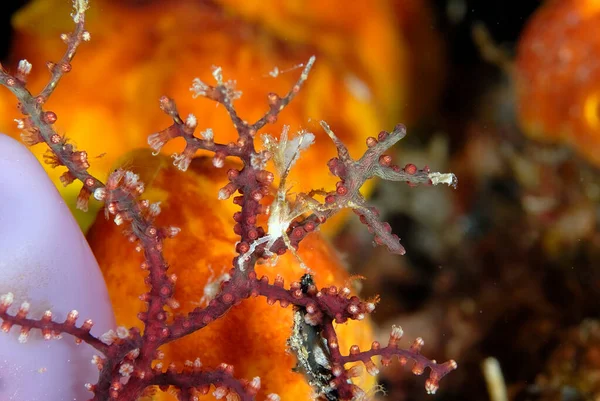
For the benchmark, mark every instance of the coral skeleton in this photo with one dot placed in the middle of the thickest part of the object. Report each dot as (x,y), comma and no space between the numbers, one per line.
(128,360)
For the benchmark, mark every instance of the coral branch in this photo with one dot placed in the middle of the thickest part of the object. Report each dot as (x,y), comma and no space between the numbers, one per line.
(37,125)
(132,361)
(437,372)
(196,382)
(277,104)
(72,40)
(224,93)
(49,328)
(353,174)
(186,130)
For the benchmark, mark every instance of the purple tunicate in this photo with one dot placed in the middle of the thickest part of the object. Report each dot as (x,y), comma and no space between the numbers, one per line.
(46,261)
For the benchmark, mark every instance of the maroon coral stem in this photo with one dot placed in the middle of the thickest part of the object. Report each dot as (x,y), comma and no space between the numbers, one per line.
(344,389)
(113,357)
(190,380)
(80,332)
(58,70)
(440,369)
(277,104)
(242,286)
(31,108)
(180,129)
(322,307)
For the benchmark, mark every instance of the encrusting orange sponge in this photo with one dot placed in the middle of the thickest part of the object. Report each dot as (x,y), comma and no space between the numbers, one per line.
(252,337)
(140,51)
(557,73)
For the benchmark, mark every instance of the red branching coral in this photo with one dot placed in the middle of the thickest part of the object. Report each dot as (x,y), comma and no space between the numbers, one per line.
(128,367)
